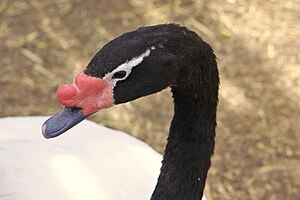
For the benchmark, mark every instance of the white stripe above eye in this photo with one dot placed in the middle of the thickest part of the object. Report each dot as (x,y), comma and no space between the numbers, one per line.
(127,66)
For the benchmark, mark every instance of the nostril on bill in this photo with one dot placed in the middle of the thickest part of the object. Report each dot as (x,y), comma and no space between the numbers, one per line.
(75,109)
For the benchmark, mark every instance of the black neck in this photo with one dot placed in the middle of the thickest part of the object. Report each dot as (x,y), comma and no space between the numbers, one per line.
(191,139)
(188,152)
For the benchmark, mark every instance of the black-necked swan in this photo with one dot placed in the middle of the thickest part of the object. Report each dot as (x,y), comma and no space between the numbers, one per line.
(133,65)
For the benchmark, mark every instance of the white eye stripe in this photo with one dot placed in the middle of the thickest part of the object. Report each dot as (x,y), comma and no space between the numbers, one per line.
(127,66)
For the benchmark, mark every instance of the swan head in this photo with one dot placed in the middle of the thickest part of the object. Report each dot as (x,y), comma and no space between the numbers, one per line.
(135,64)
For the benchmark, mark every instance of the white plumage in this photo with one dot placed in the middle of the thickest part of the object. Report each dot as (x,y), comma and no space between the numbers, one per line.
(90,162)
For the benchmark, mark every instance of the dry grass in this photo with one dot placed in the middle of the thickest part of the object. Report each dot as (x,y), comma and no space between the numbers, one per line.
(45,43)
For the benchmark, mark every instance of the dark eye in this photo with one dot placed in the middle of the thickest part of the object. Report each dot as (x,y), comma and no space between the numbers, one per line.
(120,74)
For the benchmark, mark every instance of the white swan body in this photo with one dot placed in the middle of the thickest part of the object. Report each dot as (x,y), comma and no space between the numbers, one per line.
(90,162)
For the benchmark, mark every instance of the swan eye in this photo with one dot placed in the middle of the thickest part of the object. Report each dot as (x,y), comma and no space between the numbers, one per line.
(119,74)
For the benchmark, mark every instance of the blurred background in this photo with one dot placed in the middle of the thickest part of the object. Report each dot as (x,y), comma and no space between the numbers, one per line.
(46,43)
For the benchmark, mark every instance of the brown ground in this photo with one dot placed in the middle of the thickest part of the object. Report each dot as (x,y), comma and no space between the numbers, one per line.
(45,43)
